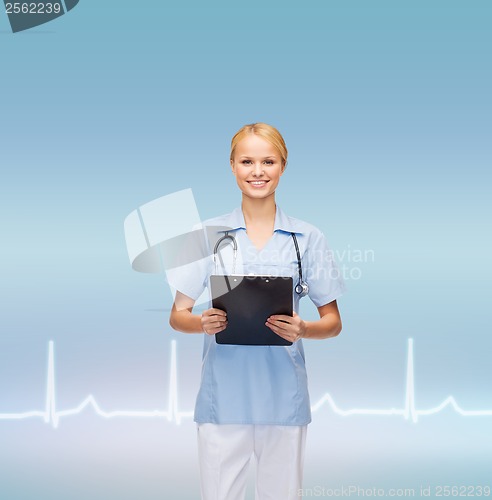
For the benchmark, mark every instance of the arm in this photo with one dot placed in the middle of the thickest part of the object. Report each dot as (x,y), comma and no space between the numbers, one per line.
(329,324)
(181,318)
(293,328)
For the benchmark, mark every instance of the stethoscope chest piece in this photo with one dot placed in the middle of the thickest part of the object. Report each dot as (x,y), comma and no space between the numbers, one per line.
(302,289)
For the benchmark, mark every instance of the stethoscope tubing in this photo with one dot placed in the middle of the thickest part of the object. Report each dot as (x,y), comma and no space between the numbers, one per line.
(301,288)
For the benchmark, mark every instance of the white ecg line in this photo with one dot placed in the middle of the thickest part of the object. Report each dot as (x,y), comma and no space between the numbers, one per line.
(52,416)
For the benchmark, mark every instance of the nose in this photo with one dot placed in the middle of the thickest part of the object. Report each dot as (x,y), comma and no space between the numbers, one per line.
(257,169)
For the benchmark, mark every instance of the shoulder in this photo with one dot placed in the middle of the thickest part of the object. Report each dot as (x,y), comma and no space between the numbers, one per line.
(306,227)
(303,227)
(221,221)
(310,237)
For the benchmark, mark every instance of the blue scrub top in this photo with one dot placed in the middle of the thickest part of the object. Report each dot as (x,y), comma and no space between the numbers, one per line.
(259,384)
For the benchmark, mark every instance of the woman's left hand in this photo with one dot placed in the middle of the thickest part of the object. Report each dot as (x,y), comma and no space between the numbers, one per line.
(291,328)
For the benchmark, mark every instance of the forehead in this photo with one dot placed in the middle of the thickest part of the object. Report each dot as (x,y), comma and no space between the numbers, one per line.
(253,145)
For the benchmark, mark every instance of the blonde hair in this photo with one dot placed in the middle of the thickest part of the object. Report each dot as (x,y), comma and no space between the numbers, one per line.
(265,131)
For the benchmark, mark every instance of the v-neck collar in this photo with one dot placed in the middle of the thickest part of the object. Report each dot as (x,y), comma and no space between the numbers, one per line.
(235,220)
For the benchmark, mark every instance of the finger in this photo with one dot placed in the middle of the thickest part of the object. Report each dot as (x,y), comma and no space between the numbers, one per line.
(280,318)
(282,334)
(209,313)
(215,330)
(276,326)
(212,330)
(217,324)
(218,312)
(211,322)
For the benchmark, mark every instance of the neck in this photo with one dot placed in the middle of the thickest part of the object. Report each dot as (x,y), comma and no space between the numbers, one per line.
(259,210)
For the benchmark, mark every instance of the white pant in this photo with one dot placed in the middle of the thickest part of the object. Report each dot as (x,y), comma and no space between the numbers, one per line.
(224,453)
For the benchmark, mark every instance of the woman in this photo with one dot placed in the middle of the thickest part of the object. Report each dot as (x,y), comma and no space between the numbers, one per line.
(253,400)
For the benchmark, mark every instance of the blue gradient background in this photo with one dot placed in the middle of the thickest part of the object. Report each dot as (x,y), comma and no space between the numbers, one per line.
(386,110)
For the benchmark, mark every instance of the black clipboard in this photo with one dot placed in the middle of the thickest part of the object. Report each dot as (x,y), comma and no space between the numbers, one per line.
(248,301)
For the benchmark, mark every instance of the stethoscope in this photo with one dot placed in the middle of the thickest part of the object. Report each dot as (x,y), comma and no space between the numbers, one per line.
(301,288)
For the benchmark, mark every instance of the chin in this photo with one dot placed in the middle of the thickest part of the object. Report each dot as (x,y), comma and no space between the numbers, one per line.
(258,196)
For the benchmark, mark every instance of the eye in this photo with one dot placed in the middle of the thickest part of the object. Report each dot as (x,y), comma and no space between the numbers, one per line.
(246,162)
(269,162)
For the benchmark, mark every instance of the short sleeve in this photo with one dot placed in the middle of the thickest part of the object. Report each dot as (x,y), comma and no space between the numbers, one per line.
(191,276)
(323,276)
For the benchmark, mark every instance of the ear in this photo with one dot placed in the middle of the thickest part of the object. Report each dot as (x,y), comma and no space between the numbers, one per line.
(232,166)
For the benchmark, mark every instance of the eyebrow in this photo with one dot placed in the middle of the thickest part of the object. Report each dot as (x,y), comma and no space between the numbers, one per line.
(265,157)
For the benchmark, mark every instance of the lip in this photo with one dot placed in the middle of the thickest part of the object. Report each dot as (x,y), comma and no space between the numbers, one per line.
(264,183)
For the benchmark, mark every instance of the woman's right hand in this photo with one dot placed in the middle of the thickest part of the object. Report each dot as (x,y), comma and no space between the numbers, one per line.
(213,321)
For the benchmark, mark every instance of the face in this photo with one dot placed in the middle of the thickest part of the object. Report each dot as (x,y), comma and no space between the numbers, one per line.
(257,166)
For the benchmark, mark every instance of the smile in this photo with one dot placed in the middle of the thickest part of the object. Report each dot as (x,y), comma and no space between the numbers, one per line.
(258,183)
